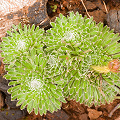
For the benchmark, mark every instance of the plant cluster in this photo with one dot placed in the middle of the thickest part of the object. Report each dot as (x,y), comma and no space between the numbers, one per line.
(75,59)
(54,8)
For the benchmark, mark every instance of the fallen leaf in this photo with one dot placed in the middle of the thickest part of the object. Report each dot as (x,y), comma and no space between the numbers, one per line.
(93,114)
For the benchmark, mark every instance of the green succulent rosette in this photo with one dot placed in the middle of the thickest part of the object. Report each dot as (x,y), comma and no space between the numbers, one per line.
(33,84)
(75,59)
(81,44)
(19,41)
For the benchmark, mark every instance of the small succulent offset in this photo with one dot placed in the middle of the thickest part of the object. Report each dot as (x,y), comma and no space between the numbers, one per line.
(30,70)
(20,41)
(75,59)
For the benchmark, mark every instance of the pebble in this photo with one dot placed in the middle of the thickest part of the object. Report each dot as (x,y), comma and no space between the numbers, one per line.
(113,20)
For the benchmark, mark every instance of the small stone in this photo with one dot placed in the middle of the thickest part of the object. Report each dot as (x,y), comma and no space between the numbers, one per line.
(90,5)
(112,18)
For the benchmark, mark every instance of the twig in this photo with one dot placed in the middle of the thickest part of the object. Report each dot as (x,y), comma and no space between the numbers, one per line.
(85,8)
(105,6)
(111,113)
(101,85)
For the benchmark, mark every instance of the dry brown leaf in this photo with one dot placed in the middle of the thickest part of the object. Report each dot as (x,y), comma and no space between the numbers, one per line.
(93,114)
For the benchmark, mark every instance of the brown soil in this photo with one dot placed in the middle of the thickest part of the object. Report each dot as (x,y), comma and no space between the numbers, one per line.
(73,110)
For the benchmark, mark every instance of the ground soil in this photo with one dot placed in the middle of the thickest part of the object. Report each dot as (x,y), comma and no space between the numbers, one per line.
(73,110)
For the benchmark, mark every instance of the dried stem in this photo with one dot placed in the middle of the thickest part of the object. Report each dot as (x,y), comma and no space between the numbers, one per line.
(111,113)
(85,8)
(101,85)
(105,6)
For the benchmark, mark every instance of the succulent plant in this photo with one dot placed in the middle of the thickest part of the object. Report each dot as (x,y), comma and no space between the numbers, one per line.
(75,59)
(33,84)
(29,70)
(19,41)
(85,49)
